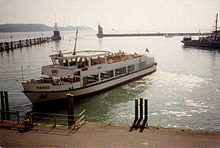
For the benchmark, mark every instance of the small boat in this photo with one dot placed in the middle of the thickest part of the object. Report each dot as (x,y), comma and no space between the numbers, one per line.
(86,72)
(211,40)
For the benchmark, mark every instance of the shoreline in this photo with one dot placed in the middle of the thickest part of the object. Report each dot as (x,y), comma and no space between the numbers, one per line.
(93,134)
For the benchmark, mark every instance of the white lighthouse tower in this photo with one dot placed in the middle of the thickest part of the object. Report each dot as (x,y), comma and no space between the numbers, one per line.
(56,33)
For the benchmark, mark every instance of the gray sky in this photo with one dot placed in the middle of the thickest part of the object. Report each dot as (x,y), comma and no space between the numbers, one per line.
(149,15)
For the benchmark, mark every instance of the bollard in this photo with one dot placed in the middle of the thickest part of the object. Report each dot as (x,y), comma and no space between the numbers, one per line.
(141,108)
(70,109)
(7,105)
(146,109)
(136,109)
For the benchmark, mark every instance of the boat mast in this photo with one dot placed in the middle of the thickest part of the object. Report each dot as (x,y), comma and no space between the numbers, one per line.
(74,52)
(216,26)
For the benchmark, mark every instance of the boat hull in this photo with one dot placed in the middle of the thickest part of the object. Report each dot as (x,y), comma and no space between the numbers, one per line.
(201,44)
(44,96)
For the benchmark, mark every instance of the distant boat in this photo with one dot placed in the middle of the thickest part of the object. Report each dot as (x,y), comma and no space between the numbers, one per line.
(211,40)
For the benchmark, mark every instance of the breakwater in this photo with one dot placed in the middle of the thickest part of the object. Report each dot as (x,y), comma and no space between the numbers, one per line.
(101,34)
(151,34)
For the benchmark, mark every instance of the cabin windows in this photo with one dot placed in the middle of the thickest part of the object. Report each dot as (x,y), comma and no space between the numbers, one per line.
(77,73)
(106,75)
(90,79)
(120,71)
(142,65)
(131,68)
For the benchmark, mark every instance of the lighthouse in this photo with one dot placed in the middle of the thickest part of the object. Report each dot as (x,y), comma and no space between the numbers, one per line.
(56,33)
(100,31)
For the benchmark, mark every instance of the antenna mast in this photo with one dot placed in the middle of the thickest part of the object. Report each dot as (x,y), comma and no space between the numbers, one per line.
(74,52)
(216,26)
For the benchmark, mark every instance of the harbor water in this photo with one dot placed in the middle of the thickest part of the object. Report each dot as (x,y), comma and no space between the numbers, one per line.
(183,93)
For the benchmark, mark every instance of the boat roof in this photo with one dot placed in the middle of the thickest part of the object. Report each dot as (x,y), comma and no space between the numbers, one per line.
(84,53)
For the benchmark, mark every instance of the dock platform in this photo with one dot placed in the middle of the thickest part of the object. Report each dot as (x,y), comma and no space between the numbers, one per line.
(105,135)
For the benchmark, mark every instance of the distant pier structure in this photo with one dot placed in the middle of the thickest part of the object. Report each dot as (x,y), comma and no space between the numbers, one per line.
(101,34)
(56,33)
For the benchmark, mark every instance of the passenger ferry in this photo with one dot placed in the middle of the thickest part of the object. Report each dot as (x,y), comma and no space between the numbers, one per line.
(86,72)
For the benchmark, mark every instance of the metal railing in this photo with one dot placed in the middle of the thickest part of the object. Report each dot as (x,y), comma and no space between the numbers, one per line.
(77,120)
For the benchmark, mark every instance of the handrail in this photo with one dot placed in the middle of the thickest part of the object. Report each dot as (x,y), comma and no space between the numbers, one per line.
(78,123)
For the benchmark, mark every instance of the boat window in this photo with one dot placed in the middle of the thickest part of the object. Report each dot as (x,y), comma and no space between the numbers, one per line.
(131,68)
(82,62)
(65,63)
(93,78)
(142,65)
(120,71)
(77,73)
(72,62)
(106,75)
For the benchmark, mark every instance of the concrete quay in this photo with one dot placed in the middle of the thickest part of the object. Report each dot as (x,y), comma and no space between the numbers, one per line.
(103,135)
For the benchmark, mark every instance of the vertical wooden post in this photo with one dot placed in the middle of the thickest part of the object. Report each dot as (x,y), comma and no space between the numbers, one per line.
(70,109)
(7,105)
(136,109)
(18,117)
(7,46)
(3,106)
(12,45)
(146,109)
(20,44)
(141,108)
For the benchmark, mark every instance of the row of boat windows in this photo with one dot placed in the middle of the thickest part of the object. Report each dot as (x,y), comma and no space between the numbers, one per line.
(80,62)
(110,74)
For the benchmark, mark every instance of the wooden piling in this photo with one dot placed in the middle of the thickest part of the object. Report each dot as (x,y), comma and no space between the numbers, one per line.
(146,109)
(141,108)
(2,106)
(70,109)
(136,109)
(7,46)
(12,45)
(7,105)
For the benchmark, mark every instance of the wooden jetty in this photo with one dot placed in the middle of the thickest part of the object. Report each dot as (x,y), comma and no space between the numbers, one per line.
(169,34)
(6,46)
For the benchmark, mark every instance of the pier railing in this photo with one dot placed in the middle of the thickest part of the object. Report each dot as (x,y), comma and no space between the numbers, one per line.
(77,120)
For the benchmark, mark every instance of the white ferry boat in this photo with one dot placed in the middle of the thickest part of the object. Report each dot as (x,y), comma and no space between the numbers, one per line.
(85,73)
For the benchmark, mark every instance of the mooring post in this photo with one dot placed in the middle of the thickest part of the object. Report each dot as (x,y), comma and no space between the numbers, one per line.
(146,109)
(136,109)
(7,105)
(7,46)
(12,45)
(20,44)
(70,109)
(18,117)
(141,108)
(3,106)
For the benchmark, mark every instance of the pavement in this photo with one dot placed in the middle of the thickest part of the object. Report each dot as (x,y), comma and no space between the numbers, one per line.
(104,135)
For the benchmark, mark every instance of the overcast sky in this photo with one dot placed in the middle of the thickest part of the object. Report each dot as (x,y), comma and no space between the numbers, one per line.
(149,15)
